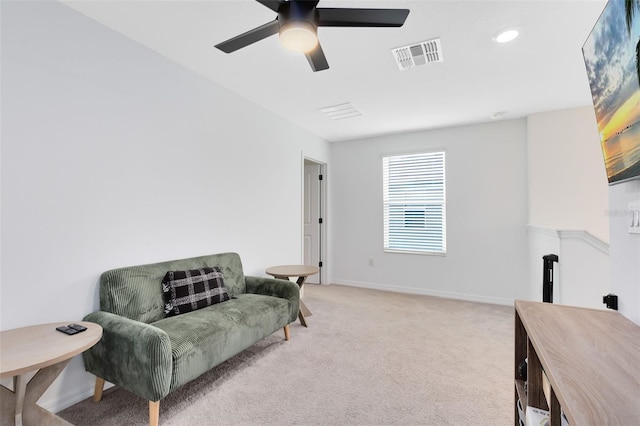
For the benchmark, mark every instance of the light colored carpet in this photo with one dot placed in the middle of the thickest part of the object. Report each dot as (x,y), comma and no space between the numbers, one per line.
(368,358)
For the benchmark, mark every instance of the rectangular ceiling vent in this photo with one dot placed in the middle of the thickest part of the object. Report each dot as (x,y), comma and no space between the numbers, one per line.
(418,54)
(340,111)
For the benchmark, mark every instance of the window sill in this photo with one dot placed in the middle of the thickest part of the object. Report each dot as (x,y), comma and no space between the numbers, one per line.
(424,253)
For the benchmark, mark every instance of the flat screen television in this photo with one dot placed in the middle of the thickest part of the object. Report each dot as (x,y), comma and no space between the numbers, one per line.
(612,58)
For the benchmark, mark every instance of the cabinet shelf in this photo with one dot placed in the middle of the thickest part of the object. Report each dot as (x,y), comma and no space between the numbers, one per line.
(590,358)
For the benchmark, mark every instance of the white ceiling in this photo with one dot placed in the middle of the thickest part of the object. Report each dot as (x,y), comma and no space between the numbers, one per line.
(542,70)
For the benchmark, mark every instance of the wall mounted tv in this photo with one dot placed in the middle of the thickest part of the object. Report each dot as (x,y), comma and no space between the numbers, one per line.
(612,58)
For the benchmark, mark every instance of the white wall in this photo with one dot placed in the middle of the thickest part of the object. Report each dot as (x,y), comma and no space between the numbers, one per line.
(568,203)
(113,155)
(486,182)
(567,178)
(625,250)
(585,273)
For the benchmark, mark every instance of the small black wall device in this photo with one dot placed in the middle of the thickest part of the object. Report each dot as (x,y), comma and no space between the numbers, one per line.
(611,300)
(547,277)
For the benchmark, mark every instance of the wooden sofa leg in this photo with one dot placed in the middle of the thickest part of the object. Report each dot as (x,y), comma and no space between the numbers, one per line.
(287,336)
(97,392)
(154,413)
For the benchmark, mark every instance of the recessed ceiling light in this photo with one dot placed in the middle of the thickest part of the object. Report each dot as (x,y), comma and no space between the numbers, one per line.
(506,36)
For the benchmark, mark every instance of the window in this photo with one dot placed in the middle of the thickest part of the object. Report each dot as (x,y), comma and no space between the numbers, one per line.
(414,203)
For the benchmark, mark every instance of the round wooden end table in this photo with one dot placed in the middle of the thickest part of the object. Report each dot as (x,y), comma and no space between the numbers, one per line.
(38,347)
(284,272)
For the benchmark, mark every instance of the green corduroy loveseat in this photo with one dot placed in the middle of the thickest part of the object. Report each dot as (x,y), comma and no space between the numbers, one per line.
(151,355)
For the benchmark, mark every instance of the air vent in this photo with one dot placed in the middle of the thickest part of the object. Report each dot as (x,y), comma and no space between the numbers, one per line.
(418,54)
(341,111)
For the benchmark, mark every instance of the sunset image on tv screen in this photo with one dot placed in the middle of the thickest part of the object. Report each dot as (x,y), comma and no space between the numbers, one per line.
(612,58)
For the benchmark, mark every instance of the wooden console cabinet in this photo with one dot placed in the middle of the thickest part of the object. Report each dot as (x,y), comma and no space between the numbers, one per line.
(591,359)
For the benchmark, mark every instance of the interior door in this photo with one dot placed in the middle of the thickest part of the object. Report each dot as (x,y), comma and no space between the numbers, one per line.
(312,226)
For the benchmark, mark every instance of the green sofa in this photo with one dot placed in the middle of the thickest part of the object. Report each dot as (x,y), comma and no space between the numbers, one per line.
(150,355)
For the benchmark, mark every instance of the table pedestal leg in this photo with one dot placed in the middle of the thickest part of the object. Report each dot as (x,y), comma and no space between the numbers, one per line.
(19,407)
(304,311)
(20,388)
(301,318)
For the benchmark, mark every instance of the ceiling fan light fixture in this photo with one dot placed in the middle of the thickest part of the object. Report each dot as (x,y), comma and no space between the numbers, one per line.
(298,36)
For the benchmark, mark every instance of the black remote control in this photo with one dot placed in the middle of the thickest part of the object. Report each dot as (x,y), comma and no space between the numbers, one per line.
(77,327)
(66,330)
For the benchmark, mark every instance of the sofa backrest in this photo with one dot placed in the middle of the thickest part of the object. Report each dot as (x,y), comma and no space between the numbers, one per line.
(135,292)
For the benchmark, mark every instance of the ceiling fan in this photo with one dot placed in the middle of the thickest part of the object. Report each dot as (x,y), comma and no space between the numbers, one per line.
(298,21)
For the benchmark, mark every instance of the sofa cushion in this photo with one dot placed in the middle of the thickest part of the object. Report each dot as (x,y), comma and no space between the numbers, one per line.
(186,291)
(202,339)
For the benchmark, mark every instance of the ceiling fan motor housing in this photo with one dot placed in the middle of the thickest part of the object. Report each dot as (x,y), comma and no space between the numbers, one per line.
(297,11)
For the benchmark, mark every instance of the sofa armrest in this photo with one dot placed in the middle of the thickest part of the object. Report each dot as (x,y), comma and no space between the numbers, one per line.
(131,354)
(283,289)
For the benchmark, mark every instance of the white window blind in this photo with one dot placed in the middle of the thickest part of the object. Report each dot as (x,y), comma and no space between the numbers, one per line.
(414,203)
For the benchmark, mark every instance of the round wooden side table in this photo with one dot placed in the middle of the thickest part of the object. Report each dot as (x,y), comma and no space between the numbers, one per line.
(37,347)
(285,272)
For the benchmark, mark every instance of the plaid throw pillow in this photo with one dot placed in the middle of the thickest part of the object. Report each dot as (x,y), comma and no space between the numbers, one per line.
(186,291)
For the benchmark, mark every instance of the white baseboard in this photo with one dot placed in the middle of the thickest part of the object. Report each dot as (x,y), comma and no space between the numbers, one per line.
(61,402)
(428,292)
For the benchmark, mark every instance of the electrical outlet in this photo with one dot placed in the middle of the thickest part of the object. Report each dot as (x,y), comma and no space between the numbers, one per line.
(634,217)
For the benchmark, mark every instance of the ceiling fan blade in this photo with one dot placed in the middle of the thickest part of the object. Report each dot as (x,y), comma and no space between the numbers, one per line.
(316,59)
(336,17)
(271,4)
(249,37)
